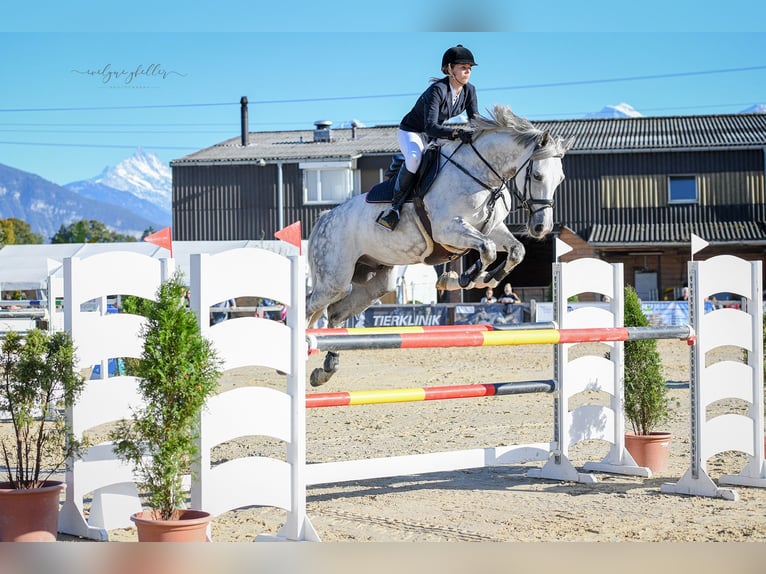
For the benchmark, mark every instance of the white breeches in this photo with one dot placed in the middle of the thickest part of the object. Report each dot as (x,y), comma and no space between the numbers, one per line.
(411,145)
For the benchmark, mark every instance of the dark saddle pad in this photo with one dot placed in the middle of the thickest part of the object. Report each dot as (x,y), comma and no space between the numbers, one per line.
(383,192)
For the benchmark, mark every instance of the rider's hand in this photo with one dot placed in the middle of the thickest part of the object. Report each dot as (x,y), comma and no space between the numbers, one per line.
(465,136)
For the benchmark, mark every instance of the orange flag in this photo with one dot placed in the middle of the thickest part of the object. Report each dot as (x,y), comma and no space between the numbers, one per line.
(292,235)
(161,238)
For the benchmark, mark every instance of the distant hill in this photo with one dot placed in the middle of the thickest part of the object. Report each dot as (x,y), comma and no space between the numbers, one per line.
(46,206)
(755,109)
(140,183)
(93,190)
(622,110)
(142,175)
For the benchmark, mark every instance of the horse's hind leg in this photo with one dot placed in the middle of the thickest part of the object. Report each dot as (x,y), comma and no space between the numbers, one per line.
(360,297)
(363,293)
(319,300)
(320,376)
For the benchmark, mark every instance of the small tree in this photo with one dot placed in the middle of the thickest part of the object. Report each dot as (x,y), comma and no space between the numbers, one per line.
(38,380)
(177,372)
(646,396)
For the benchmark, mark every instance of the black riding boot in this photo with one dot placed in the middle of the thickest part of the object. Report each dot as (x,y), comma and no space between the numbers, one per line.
(404,180)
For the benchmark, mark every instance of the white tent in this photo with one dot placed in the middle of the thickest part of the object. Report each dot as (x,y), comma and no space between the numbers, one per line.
(416,284)
(27,267)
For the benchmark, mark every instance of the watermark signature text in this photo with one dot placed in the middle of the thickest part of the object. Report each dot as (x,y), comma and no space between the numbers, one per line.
(109,74)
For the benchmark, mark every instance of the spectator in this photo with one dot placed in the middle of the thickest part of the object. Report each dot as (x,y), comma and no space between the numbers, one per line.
(509,297)
(220,313)
(684,294)
(489,297)
(10,306)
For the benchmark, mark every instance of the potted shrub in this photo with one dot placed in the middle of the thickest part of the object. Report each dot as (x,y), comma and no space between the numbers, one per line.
(177,372)
(647,404)
(38,381)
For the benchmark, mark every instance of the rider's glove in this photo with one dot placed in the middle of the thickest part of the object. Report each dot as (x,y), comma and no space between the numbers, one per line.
(465,136)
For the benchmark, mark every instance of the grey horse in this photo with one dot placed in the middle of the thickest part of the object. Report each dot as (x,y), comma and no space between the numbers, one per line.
(351,259)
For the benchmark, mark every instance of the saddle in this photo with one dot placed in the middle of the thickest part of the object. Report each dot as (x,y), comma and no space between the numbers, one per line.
(383,192)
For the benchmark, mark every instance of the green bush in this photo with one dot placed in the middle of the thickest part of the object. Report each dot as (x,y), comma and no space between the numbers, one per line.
(647,404)
(38,381)
(177,372)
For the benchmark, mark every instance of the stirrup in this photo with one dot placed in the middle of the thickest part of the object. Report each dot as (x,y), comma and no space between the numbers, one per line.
(388,220)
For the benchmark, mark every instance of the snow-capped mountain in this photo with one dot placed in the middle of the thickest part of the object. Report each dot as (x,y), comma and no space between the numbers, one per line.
(624,110)
(46,206)
(142,175)
(755,109)
(621,110)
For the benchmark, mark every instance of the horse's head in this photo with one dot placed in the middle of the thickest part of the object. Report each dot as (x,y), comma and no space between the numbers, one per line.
(536,182)
(529,164)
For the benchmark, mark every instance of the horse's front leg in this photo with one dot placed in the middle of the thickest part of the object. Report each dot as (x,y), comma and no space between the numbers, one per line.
(464,236)
(507,243)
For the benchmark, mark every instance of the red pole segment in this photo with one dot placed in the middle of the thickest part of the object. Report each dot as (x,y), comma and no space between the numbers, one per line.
(593,335)
(403,329)
(417,394)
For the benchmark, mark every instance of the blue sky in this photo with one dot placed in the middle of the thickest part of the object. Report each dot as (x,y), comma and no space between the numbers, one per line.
(67,110)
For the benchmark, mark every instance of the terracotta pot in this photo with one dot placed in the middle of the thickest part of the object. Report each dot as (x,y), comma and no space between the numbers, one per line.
(651,450)
(186,526)
(30,514)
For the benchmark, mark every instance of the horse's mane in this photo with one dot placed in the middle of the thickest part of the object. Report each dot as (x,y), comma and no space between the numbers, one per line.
(502,118)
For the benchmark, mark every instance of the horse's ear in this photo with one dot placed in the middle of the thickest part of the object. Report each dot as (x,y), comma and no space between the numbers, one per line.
(545,139)
(567,145)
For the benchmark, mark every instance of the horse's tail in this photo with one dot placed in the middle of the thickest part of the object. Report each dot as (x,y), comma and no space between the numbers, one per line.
(314,230)
(318,224)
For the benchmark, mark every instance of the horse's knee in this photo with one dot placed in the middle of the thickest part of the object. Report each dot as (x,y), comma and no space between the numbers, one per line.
(488,251)
(516,254)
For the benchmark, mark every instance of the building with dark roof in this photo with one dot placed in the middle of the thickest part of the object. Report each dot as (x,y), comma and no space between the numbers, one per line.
(635,190)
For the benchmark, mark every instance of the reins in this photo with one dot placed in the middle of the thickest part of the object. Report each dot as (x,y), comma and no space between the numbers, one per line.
(524,196)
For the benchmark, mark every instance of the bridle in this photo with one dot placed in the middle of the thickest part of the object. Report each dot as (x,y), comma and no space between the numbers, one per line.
(523,196)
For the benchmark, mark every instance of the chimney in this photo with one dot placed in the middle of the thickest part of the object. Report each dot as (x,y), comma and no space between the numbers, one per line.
(354,125)
(243,115)
(322,133)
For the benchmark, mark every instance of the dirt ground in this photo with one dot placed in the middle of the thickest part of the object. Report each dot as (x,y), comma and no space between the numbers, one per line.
(489,504)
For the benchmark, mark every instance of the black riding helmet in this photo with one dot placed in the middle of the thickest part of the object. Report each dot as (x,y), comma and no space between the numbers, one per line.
(457,55)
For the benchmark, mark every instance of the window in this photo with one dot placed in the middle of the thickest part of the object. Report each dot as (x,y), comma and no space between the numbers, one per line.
(327,182)
(682,189)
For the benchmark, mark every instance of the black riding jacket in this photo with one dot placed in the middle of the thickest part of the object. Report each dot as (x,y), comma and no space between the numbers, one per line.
(434,107)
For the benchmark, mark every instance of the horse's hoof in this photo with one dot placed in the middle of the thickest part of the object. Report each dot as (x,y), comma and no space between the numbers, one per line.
(318,377)
(331,362)
(447,281)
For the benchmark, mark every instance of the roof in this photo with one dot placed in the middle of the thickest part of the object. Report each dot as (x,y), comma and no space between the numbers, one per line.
(732,131)
(620,235)
(344,144)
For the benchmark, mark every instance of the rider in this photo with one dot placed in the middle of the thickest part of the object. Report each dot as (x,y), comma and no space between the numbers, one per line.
(442,100)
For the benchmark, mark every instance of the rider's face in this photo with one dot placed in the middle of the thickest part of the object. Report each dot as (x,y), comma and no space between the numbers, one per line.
(462,73)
